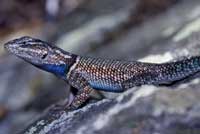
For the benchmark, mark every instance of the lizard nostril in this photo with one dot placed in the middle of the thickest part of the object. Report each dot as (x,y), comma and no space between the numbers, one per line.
(8,45)
(15,43)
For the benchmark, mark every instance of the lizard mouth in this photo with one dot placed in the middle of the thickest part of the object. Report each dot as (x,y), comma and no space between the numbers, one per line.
(29,49)
(13,45)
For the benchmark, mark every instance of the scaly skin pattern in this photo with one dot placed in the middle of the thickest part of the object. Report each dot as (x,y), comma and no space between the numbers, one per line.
(87,73)
(117,76)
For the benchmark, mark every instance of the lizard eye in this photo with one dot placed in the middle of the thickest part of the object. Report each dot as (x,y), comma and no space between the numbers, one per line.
(44,56)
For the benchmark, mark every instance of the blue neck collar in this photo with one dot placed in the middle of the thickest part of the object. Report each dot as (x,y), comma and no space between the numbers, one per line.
(58,70)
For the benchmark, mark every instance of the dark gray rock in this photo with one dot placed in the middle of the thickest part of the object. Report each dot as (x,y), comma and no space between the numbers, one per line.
(143,110)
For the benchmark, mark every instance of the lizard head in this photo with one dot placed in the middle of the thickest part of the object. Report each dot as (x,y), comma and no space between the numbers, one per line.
(41,54)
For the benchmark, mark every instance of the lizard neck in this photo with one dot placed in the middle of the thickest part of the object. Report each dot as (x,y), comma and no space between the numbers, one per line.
(60,70)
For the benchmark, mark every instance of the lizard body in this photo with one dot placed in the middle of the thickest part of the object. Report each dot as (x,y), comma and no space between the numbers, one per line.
(87,73)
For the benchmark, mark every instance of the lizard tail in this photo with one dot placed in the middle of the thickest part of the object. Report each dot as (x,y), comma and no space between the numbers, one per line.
(173,71)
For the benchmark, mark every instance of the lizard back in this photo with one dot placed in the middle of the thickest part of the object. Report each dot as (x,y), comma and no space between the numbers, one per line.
(117,76)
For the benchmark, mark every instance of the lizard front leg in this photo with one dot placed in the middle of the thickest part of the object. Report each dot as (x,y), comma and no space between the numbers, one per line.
(84,90)
(80,98)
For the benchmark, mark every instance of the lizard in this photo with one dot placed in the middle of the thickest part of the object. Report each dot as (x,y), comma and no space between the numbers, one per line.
(88,73)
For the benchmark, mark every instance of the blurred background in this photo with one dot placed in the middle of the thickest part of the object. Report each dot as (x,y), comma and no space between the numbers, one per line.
(126,29)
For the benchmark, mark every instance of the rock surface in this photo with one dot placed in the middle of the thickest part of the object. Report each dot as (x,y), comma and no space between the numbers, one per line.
(148,110)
